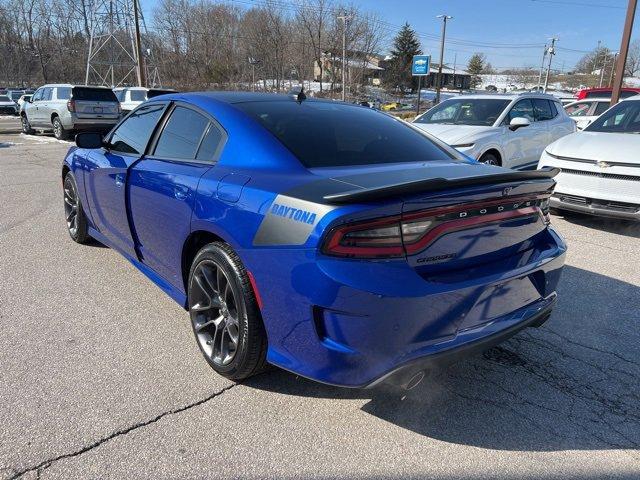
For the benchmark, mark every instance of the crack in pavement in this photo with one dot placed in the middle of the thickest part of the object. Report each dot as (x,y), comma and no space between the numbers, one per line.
(47,463)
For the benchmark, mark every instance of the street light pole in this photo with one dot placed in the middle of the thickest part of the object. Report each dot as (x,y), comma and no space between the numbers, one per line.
(552,52)
(624,51)
(439,78)
(140,64)
(345,18)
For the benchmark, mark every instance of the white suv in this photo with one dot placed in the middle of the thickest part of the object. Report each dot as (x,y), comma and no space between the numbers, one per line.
(507,130)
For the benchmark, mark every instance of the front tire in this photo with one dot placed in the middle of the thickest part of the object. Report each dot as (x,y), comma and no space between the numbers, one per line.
(224,313)
(491,159)
(73,211)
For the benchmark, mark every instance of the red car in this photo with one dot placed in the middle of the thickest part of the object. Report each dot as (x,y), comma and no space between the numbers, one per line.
(605,92)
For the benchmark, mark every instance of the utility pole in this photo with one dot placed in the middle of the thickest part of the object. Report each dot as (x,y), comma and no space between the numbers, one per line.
(141,72)
(604,65)
(439,78)
(621,64)
(544,56)
(552,52)
(345,18)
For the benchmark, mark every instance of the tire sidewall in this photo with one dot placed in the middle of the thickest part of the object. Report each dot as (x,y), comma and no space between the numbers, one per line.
(26,125)
(58,132)
(81,235)
(490,156)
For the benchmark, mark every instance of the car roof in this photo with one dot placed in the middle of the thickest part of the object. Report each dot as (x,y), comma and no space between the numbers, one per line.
(508,96)
(73,86)
(240,97)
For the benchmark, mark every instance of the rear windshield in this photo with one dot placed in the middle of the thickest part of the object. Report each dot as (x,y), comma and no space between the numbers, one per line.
(326,134)
(154,92)
(96,94)
(607,94)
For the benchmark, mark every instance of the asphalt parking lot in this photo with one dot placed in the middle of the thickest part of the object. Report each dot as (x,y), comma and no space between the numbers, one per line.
(101,377)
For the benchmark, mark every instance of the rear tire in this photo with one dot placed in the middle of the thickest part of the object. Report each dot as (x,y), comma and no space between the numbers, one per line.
(26,125)
(74,213)
(491,159)
(58,130)
(224,313)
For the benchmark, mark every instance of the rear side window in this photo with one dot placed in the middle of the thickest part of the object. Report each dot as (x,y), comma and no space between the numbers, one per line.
(542,109)
(602,94)
(327,134)
(209,145)
(63,93)
(46,93)
(133,134)
(181,136)
(94,94)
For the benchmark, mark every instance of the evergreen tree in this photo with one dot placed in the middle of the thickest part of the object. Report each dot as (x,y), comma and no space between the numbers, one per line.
(475,67)
(405,46)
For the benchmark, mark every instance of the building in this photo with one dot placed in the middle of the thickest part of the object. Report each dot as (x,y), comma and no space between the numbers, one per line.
(452,79)
(362,68)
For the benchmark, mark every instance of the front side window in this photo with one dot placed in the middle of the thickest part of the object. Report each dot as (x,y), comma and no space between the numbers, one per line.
(328,134)
(465,112)
(524,109)
(138,95)
(37,96)
(622,118)
(542,109)
(181,136)
(133,134)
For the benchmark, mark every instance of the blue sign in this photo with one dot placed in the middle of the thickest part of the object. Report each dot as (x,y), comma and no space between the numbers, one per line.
(420,65)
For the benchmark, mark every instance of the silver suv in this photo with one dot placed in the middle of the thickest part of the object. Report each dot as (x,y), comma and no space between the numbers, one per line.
(65,108)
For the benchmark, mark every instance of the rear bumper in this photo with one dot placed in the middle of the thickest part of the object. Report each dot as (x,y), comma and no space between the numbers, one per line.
(408,375)
(355,324)
(591,206)
(75,123)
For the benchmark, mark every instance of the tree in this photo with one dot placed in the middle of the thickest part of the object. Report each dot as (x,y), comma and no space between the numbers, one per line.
(475,67)
(405,46)
(633,59)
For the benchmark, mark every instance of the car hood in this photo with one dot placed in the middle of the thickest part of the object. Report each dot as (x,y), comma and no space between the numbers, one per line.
(453,134)
(612,147)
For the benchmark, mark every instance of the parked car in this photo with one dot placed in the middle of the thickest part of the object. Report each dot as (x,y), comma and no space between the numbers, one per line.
(277,224)
(65,109)
(605,92)
(505,129)
(600,165)
(156,92)
(7,105)
(130,97)
(583,112)
(22,100)
(491,88)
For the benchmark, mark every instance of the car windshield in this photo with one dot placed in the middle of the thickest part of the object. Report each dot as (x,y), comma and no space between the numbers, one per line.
(16,95)
(328,134)
(622,118)
(465,111)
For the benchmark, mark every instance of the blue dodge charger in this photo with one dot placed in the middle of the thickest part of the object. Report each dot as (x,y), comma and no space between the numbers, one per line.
(328,239)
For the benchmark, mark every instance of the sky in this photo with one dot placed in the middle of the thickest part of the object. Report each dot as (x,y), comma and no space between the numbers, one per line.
(511,33)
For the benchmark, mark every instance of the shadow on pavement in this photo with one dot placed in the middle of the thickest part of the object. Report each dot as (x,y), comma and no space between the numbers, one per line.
(611,225)
(573,384)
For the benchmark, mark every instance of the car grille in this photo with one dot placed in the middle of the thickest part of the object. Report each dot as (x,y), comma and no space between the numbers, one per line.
(613,176)
(596,203)
(592,162)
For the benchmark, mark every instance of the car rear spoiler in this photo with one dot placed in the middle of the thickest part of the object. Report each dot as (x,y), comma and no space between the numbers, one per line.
(435,184)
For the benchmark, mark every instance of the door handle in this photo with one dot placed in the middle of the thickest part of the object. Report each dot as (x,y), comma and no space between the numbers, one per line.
(180,192)
(119,180)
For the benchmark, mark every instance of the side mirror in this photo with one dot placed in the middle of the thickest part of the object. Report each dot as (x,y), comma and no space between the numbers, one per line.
(518,122)
(89,140)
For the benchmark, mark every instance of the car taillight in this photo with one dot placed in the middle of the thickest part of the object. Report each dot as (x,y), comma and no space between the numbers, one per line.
(71,105)
(409,234)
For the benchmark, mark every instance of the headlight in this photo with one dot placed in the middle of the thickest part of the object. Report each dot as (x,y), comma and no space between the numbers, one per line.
(463,145)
